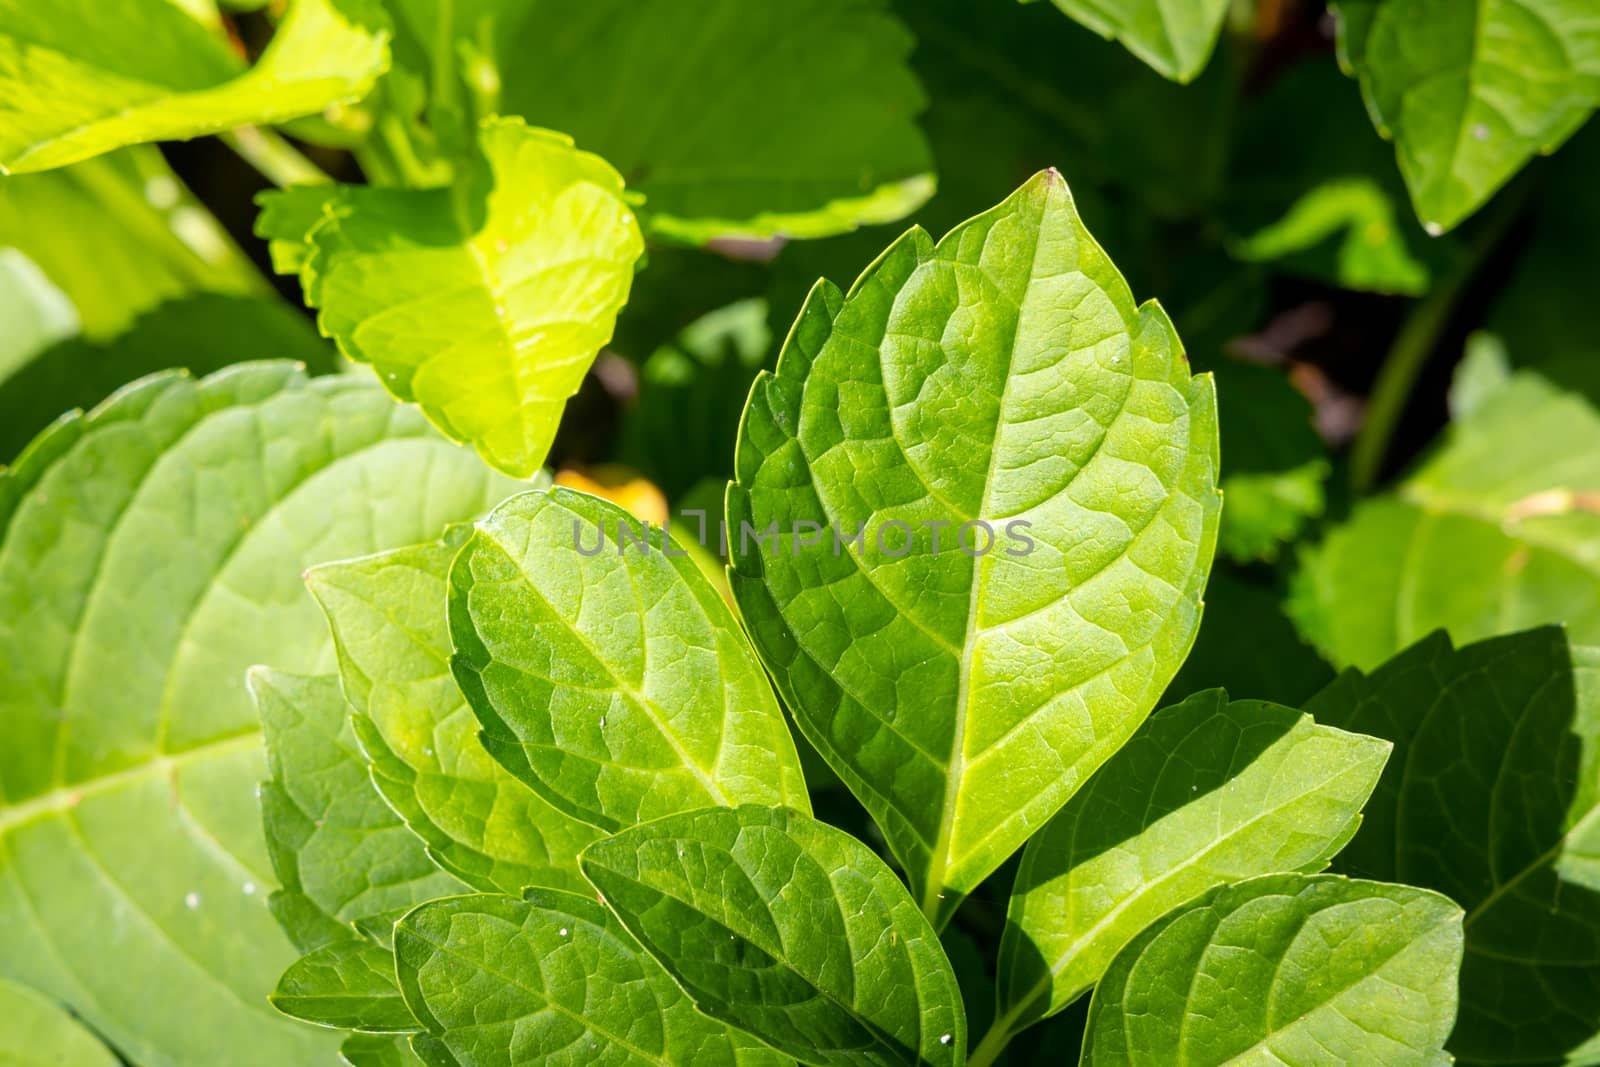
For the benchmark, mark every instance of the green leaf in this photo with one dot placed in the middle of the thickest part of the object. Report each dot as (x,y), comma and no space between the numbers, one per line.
(1175,39)
(378,1050)
(1274,663)
(1274,464)
(1330,206)
(341,855)
(554,979)
(487,314)
(149,553)
(1286,969)
(1470,92)
(1006,376)
(346,985)
(1498,530)
(1206,793)
(37,315)
(798,118)
(1493,796)
(614,681)
(480,823)
(84,78)
(37,1033)
(118,235)
(200,332)
(1544,311)
(790,929)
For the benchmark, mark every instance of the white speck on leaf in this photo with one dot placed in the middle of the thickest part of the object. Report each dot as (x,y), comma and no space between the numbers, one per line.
(192,901)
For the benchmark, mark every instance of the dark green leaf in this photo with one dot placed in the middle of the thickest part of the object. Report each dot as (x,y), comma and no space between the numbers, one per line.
(1493,796)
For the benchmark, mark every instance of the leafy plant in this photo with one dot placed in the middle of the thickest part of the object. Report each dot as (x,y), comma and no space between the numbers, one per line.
(489,603)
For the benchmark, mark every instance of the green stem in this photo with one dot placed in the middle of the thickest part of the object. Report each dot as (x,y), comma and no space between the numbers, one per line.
(994,1042)
(277,160)
(1418,338)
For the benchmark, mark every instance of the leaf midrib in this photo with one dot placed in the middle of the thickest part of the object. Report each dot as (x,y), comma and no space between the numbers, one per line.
(66,798)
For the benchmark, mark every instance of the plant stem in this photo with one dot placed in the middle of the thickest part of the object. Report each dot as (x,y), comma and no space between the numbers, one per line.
(994,1042)
(1416,341)
(277,160)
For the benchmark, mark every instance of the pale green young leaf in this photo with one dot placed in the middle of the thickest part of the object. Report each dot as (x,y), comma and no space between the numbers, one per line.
(553,979)
(1498,530)
(1003,375)
(346,985)
(480,822)
(150,552)
(1207,792)
(79,78)
(613,680)
(1469,92)
(38,1033)
(798,119)
(36,313)
(1175,39)
(790,929)
(486,310)
(340,854)
(1287,969)
(1493,796)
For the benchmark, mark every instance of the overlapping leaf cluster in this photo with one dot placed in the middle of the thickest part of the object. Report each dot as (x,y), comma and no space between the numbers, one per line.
(937,769)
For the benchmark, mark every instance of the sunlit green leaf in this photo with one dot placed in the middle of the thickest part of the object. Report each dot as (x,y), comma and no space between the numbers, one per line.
(1286,969)
(80,78)
(485,311)
(787,928)
(340,854)
(1002,376)
(151,553)
(480,823)
(1207,792)
(1493,796)
(1498,530)
(346,985)
(1175,39)
(606,670)
(1470,92)
(553,979)
(38,1033)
